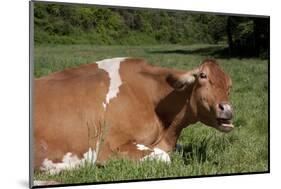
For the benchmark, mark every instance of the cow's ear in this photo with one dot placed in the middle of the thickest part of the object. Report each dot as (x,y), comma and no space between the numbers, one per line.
(180,82)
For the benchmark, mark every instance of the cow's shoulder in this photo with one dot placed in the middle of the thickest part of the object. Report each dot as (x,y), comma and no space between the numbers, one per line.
(133,65)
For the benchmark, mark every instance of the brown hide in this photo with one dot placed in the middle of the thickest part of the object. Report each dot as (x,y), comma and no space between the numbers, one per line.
(149,109)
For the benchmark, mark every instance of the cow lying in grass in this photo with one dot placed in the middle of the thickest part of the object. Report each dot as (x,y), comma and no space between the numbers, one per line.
(123,107)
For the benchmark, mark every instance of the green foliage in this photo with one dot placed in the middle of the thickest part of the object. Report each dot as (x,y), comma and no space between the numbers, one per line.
(205,151)
(69,24)
(248,36)
(73,24)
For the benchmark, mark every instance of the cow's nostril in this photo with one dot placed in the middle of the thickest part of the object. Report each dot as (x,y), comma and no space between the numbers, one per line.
(225,110)
(221,106)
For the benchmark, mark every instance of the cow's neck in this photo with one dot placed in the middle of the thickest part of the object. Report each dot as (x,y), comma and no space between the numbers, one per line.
(175,113)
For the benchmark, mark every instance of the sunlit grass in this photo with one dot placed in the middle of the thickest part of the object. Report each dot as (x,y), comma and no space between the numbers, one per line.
(205,150)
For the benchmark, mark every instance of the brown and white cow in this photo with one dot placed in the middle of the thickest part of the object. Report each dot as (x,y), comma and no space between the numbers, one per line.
(123,107)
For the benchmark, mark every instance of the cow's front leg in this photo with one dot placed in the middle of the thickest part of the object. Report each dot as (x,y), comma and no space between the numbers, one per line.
(129,150)
(135,151)
(132,150)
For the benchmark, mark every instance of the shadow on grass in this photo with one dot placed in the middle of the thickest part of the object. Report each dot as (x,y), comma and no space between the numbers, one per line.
(204,149)
(219,51)
(192,152)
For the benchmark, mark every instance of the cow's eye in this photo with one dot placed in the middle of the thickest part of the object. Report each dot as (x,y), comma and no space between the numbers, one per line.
(202,75)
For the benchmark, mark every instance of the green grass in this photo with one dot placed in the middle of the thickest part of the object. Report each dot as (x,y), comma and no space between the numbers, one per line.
(205,150)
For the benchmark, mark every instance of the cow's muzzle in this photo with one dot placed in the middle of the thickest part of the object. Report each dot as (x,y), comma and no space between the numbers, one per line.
(224,116)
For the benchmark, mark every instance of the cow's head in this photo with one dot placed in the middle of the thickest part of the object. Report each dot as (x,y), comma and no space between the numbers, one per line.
(210,87)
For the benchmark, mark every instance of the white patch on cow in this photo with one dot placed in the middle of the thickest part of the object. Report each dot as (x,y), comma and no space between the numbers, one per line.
(159,155)
(142,147)
(69,161)
(112,67)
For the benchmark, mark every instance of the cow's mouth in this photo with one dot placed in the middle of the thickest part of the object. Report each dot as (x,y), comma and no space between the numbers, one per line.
(225,124)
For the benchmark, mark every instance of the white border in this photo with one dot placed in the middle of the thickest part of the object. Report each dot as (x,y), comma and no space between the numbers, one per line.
(14,105)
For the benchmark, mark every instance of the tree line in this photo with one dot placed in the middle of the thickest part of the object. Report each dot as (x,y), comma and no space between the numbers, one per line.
(73,24)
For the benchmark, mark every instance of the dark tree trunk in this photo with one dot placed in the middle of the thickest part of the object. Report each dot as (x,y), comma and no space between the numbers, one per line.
(229,26)
(257,37)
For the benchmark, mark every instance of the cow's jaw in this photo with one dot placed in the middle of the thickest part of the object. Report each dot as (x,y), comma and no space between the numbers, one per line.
(211,119)
(224,125)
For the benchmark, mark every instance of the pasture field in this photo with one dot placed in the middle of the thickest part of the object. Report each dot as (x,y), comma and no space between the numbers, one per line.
(205,151)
